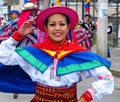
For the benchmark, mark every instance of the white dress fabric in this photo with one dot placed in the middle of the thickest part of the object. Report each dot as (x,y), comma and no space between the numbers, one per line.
(103,80)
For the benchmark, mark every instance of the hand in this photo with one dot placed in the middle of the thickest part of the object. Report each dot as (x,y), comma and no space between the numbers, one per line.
(27,28)
(81,100)
(89,35)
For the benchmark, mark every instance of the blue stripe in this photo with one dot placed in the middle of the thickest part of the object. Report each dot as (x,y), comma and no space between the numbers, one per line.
(83,57)
(39,55)
(87,5)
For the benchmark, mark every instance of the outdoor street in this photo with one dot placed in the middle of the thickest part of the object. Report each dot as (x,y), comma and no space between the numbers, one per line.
(103,14)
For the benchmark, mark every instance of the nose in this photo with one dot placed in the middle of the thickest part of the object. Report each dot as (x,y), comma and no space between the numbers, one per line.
(57,27)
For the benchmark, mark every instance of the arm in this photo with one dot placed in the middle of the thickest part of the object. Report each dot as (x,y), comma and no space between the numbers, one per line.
(7,48)
(27,27)
(103,84)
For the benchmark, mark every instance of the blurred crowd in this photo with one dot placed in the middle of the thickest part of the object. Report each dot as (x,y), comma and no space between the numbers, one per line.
(82,33)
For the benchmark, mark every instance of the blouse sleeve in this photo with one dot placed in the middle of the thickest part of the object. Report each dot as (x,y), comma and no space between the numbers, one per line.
(7,52)
(103,82)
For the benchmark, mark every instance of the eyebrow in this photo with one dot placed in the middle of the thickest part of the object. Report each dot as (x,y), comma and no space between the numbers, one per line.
(59,21)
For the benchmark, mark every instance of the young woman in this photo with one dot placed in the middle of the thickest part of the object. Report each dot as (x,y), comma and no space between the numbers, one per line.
(57,65)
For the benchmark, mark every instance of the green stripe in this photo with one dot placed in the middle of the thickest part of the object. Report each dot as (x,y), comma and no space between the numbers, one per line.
(31,59)
(78,67)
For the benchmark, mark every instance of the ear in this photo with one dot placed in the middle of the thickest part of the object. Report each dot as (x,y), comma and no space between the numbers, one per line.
(68,27)
(45,28)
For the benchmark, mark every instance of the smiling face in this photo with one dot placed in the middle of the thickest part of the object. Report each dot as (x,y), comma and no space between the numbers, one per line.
(57,28)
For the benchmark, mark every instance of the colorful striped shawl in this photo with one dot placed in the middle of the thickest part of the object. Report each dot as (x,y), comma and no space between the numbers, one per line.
(71,62)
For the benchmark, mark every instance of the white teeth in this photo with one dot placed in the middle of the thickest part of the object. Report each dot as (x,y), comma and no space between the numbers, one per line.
(57,33)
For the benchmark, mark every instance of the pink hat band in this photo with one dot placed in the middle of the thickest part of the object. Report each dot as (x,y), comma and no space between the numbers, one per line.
(72,15)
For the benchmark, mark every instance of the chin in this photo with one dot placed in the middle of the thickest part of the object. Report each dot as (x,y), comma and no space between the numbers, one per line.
(58,41)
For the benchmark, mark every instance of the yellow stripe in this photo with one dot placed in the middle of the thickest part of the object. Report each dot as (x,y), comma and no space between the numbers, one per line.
(62,53)
(52,53)
(88,1)
(57,2)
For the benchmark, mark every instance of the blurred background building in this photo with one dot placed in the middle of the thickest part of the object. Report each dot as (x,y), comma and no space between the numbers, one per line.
(81,7)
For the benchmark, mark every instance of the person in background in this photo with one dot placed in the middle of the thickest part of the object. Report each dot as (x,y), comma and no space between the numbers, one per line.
(29,11)
(79,35)
(13,15)
(89,26)
(10,26)
(57,65)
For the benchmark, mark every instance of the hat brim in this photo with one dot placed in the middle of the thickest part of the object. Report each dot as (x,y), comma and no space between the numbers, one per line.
(73,16)
(14,11)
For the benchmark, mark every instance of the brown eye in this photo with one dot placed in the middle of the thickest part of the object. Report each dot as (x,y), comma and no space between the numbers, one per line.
(63,23)
(52,24)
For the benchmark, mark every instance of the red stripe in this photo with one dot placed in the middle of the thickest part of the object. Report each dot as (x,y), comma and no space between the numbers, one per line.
(87,9)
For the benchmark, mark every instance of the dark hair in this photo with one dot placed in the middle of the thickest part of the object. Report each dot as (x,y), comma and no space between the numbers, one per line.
(88,15)
(67,19)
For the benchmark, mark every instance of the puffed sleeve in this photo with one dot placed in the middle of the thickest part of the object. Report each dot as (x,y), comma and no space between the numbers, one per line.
(8,56)
(103,82)
(7,52)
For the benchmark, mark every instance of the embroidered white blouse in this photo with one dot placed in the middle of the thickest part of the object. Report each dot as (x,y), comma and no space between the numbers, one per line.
(103,84)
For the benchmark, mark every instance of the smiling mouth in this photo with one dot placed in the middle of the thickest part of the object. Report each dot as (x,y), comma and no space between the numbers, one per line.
(57,34)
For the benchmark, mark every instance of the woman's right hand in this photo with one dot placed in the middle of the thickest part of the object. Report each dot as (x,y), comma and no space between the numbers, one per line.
(27,27)
(81,100)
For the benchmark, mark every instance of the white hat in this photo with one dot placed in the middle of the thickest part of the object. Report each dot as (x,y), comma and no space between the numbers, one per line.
(29,5)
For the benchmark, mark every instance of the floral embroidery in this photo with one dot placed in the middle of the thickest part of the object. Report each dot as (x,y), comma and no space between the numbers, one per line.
(53,70)
(104,77)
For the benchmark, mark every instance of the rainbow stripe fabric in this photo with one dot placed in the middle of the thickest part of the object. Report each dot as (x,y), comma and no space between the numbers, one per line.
(77,61)
(14,80)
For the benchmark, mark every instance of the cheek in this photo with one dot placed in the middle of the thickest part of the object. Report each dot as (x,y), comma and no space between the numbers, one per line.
(47,29)
(50,30)
(66,29)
